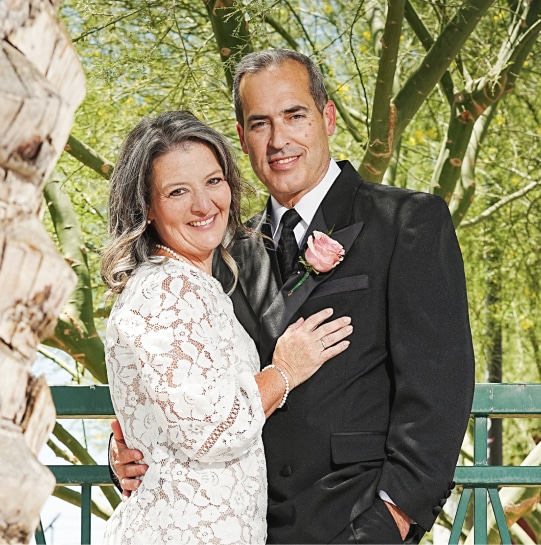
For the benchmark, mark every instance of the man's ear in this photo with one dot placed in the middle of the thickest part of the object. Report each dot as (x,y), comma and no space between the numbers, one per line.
(329,114)
(240,132)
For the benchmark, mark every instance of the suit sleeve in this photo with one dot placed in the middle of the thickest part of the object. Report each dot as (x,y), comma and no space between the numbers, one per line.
(432,360)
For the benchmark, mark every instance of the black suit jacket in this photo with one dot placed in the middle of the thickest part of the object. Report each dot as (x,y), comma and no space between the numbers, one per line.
(391,411)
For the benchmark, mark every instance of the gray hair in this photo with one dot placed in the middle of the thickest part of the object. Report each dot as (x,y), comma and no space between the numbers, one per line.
(261,60)
(132,242)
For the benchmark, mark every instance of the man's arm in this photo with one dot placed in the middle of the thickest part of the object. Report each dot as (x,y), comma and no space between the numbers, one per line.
(432,360)
(123,462)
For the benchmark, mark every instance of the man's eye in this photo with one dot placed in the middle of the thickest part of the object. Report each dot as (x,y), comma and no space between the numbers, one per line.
(258,125)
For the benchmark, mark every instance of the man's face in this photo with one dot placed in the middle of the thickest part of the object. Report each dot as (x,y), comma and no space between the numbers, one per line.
(284,134)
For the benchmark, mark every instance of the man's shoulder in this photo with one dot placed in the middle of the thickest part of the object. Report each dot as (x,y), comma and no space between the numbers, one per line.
(378,190)
(389,203)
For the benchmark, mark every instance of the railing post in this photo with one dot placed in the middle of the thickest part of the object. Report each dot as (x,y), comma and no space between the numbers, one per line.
(40,534)
(480,458)
(460,516)
(86,492)
(499,515)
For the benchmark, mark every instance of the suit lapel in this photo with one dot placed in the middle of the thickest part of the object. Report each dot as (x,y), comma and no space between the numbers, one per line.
(334,213)
(259,275)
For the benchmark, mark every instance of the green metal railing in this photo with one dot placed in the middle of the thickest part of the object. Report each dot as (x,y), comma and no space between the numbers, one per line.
(494,401)
(88,402)
(478,480)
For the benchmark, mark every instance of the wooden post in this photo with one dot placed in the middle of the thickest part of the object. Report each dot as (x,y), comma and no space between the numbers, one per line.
(41,85)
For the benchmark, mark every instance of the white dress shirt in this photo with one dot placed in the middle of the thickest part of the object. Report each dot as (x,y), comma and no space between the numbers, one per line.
(306,207)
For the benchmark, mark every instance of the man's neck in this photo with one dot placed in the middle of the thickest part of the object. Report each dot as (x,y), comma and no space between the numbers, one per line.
(308,204)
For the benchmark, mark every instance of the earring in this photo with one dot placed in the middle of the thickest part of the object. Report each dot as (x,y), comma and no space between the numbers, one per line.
(148,222)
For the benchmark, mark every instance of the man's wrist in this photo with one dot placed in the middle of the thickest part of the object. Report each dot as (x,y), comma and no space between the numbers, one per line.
(112,472)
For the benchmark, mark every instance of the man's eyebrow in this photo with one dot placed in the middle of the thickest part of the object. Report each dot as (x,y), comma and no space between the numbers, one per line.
(295,109)
(256,117)
(286,111)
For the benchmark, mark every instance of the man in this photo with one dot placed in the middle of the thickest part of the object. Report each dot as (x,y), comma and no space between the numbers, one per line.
(365,450)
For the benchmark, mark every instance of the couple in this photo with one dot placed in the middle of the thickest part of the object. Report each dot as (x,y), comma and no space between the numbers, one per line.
(365,450)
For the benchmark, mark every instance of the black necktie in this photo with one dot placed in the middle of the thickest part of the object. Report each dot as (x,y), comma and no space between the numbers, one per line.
(288,248)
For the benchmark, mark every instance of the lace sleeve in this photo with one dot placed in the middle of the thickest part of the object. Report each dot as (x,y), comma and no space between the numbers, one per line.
(203,392)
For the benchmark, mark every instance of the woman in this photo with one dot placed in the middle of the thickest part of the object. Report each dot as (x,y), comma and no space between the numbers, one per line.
(184,374)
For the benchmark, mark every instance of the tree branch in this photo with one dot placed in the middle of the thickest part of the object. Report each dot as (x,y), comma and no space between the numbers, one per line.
(473,110)
(382,126)
(90,158)
(75,332)
(500,204)
(446,82)
(437,60)
(231,33)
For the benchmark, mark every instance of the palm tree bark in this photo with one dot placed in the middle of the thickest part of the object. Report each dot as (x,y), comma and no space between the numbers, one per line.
(42,84)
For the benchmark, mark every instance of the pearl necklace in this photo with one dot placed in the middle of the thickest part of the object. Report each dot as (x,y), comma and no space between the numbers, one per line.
(169,251)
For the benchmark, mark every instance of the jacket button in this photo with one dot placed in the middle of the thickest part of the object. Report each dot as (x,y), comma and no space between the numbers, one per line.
(452,484)
(443,502)
(286,471)
(436,510)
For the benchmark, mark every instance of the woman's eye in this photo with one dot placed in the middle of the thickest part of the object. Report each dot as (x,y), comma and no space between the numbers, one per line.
(215,181)
(177,192)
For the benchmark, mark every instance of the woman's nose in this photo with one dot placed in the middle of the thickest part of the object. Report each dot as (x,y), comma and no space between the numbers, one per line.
(202,202)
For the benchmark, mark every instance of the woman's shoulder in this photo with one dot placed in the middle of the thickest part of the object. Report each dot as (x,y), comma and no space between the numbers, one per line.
(162,274)
(165,291)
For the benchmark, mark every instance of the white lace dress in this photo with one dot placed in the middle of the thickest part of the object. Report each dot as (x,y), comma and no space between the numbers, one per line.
(181,372)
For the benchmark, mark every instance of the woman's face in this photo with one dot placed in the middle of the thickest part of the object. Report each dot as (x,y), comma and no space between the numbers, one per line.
(190,202)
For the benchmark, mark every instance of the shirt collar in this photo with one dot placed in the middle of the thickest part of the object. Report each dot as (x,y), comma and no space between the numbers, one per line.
(307,206)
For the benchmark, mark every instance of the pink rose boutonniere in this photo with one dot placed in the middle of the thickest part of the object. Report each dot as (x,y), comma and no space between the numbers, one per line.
(322,255)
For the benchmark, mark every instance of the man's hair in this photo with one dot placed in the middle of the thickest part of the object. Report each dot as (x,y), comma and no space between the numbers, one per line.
(132,240)
(262,60)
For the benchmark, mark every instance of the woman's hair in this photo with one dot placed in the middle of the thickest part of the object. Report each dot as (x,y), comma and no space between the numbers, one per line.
(132,240)
(259,61)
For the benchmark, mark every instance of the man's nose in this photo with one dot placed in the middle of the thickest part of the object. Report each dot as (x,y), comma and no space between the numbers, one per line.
(279,137)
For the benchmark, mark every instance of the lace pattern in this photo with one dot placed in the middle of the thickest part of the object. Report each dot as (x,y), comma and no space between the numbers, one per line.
(181,372)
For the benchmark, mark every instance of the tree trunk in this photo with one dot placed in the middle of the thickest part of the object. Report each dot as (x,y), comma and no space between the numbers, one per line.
(41,85)
(494,340)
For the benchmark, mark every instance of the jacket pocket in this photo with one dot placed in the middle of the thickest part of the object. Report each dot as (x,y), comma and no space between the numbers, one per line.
(352,447)
(349,283)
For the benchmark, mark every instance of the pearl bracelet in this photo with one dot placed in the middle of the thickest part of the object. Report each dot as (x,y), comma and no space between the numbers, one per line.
(284,376)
